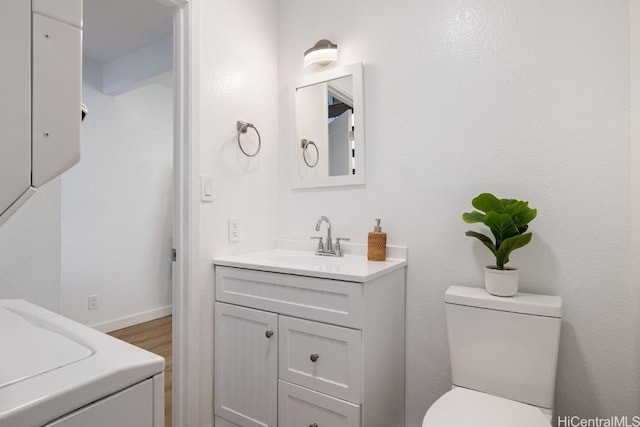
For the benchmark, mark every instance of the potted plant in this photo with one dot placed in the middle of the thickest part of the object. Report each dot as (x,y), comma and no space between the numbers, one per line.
(508,221)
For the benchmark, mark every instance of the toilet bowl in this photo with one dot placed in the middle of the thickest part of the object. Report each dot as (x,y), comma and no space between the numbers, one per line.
(461,407)
(504,354)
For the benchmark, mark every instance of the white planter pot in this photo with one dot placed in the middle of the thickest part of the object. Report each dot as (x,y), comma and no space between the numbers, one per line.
(501,283)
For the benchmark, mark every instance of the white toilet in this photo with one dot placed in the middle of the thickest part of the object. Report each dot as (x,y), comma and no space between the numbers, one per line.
(504,354)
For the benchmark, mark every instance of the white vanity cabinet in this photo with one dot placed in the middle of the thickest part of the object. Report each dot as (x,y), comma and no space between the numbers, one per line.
(292,350)
(246,370)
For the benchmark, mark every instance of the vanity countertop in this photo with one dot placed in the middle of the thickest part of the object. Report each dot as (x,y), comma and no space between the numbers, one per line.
(353,268)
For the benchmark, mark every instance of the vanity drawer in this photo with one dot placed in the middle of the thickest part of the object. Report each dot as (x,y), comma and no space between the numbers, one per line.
(325,300)
(299,406)
(322,357)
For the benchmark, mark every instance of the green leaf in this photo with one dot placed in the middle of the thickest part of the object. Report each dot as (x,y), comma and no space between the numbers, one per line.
(501,225)
(471,217)
(521,213)
(509,245)
(508,202)
(487,202)
(484,239)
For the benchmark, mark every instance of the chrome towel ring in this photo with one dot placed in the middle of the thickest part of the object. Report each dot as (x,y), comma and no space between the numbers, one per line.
(305,146)
(242,128)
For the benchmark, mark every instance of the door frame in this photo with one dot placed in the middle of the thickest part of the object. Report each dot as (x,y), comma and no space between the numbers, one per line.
(186,223)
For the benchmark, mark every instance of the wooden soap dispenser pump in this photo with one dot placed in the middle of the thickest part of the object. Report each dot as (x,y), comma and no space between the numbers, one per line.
(377,245)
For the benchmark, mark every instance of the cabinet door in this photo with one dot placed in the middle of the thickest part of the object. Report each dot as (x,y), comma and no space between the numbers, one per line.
(246,370)
(56,109)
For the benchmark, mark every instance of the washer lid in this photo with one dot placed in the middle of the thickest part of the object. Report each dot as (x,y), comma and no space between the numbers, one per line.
(462,407)
(29,349)
(539,305)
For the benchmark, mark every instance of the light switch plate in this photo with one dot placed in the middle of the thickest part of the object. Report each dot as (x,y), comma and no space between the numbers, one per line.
(206,188)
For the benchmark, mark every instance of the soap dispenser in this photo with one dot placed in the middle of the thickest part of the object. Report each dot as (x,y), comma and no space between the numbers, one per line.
(377,245)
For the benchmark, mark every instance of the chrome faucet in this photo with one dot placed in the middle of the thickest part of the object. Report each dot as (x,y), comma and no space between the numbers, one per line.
(328,248)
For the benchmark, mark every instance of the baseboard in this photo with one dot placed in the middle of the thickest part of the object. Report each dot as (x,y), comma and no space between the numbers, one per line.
(125,322)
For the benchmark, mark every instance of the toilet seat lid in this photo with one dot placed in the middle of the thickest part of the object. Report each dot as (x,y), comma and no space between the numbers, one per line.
(462,407)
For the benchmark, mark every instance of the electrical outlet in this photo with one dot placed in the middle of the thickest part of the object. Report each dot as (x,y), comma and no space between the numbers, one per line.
(234,229)
(92,302)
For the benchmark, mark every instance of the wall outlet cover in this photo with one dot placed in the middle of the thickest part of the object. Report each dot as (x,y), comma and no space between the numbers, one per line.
(234,229)
(92,302)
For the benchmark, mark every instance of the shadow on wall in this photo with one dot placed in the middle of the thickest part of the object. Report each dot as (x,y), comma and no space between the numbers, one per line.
(539,268)
(537,264)
(571,352)
(233,157)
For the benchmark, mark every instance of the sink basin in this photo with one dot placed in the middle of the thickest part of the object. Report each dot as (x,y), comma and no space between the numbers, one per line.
(355,268)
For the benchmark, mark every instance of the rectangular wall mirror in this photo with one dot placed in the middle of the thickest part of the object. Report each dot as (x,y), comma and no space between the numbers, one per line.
(329,128)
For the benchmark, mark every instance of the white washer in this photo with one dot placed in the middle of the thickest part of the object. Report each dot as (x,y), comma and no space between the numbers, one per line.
(57,372)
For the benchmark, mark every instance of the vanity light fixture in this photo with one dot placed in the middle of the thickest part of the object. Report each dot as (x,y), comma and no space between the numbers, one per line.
(323,53)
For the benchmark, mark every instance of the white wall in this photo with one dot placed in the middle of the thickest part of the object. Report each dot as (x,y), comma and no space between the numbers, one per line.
(635,165)
(150,64)
(30,250)
(238,81)
(524,99)
(117,206)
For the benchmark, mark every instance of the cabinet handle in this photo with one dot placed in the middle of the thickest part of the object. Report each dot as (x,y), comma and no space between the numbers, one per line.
(268,334)
(314,357)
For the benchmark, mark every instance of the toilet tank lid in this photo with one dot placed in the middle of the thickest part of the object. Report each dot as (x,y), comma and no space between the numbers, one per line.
(534,304)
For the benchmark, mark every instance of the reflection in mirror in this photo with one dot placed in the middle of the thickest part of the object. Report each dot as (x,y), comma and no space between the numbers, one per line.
(325,124)
(341,145)
(329,133)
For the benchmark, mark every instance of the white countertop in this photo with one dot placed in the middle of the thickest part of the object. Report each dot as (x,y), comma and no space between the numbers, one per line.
(351,267)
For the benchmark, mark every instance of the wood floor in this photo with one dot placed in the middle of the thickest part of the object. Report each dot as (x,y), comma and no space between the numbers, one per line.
(156,337)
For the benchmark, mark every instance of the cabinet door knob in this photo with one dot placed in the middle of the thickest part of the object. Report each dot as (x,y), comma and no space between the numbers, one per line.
(268,334)
(314,357)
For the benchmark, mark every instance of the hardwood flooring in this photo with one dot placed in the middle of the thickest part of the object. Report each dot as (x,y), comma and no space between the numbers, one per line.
(156,337)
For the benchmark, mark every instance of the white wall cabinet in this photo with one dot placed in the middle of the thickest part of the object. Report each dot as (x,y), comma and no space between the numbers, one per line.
(295,351)
(40,106)
(15,104)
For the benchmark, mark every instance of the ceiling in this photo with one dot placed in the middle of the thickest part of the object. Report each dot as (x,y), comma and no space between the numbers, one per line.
(113,28)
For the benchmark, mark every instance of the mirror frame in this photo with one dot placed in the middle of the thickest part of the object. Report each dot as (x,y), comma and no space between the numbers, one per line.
(355,70)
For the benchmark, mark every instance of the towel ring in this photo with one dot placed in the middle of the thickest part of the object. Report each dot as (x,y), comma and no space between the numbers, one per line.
(242,128)
(305,146)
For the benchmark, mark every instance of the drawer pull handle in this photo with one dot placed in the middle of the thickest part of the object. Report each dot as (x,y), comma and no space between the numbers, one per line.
(268,334)
(313,425)
(314,357)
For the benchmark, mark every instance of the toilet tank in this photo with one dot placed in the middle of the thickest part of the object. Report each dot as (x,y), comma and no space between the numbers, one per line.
(504,346)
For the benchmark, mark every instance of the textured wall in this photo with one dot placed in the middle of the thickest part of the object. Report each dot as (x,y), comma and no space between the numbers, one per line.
(117,205)
(30,250)
(238,81)
(525,99)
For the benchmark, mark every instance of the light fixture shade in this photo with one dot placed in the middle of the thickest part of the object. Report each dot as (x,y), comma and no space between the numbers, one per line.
(324,52)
